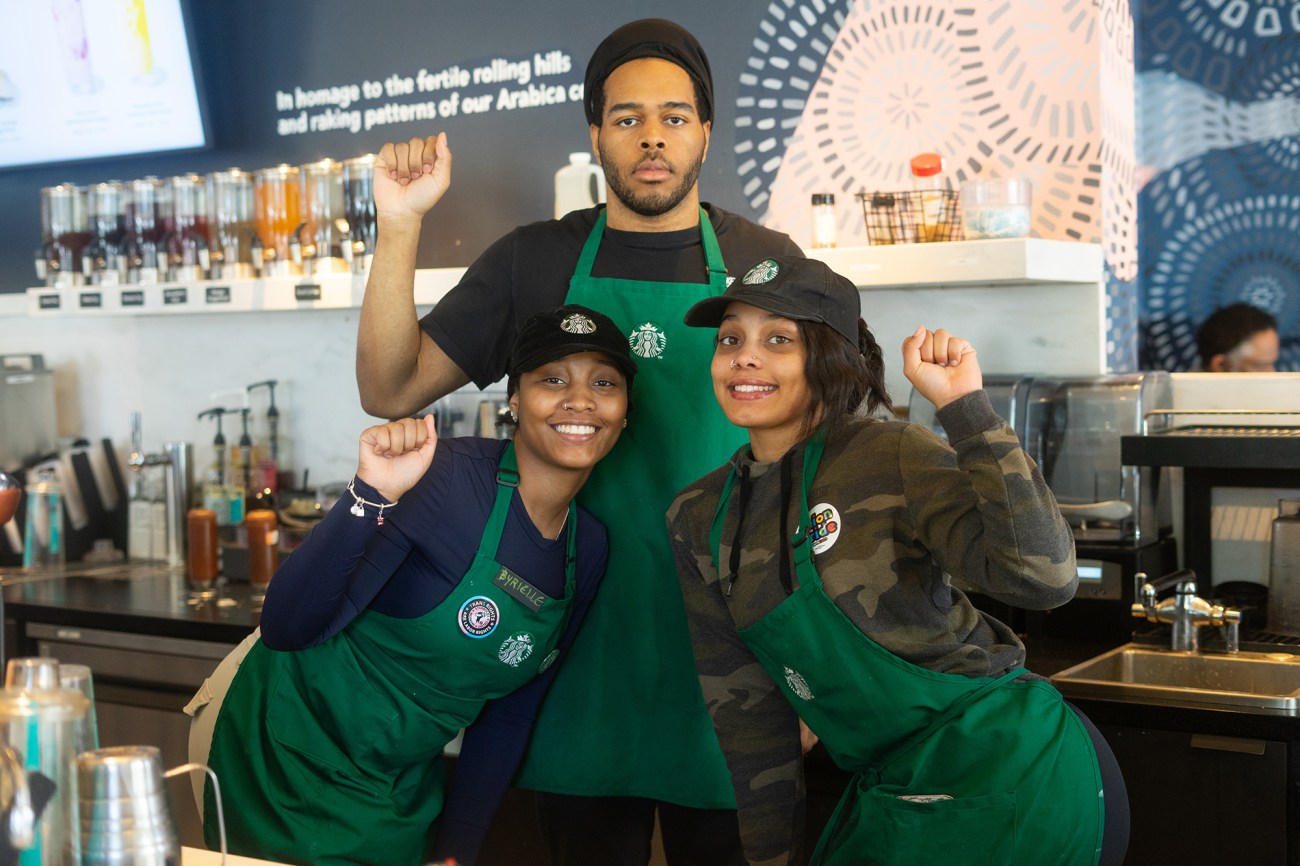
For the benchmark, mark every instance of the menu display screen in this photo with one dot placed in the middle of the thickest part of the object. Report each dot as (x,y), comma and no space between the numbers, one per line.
(85,79)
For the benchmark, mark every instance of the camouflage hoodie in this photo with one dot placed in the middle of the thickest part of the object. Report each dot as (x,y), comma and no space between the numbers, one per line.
(911,511)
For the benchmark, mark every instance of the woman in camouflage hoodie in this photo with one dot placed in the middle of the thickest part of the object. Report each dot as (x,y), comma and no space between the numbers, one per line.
(816,566)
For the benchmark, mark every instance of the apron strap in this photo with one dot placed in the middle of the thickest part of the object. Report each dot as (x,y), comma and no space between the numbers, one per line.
(802,550)
(804,568)
(507,483)
(708,239)
(571,549)
(719,517)
(589,248)
(570,564)
(712,255)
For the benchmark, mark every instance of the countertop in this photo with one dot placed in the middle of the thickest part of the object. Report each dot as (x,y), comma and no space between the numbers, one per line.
(150,599)
(135,597)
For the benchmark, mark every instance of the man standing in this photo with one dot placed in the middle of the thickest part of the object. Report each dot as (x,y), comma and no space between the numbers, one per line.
(623,734)
(1238,338)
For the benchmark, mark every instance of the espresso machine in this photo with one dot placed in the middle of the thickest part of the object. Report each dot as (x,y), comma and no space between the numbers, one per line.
(1120,515)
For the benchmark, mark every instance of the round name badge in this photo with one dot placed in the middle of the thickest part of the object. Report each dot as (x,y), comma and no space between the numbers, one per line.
(824,528)
(478,616)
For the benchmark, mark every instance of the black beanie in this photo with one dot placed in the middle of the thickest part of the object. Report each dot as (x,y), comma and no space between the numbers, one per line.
(649,37)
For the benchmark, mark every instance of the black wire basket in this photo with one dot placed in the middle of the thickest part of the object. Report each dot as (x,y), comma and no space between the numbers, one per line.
(911,216)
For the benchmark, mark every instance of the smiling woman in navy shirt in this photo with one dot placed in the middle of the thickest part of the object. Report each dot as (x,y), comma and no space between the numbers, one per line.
(397,624)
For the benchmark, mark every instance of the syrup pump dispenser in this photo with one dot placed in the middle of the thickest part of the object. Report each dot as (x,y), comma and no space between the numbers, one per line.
(268,468)
(216,494)
(245,451)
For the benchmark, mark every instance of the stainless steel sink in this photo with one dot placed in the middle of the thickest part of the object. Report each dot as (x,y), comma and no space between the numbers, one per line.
(1151,675)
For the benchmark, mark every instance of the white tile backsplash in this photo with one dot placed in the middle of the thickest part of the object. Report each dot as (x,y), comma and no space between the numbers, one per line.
(167,367)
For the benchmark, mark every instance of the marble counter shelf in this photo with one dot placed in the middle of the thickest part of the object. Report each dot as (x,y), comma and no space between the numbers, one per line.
(954,264)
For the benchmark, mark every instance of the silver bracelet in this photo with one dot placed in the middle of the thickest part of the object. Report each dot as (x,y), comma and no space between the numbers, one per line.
(358,507)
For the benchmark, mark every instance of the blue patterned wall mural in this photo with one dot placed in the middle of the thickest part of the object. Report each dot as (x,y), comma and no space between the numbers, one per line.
(1219,154)
(838,95)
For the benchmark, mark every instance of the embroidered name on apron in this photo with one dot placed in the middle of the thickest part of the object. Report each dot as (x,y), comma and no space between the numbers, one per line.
(516,587)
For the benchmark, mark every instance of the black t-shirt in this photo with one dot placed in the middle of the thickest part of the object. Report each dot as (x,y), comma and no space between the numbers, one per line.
(528,271)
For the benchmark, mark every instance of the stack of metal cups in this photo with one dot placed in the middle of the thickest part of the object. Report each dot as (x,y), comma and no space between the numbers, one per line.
(125,817)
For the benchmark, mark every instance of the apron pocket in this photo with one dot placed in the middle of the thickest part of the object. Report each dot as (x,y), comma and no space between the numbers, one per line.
(336,723)
(880,827)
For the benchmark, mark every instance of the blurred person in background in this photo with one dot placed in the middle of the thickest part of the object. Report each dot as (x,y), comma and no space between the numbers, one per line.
(1238,338)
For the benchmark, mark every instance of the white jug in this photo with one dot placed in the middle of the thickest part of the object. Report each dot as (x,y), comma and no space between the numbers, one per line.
(578,185)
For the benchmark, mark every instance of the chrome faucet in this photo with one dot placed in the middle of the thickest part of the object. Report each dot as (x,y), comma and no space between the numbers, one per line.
(1185,612)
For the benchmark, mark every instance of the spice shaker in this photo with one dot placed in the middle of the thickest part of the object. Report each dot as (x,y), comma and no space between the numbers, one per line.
(823,220)
(931,189)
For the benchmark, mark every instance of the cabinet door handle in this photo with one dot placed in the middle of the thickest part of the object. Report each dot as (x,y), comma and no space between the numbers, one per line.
(1228,744)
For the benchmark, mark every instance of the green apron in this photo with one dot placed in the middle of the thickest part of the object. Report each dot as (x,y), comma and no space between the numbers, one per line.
(332,754)
(631,675)
(1014,766)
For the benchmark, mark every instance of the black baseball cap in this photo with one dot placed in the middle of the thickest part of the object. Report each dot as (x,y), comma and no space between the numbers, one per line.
(649,37)
(791,286)
(568,330)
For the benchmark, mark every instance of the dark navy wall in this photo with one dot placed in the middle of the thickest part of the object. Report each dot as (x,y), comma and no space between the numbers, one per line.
(504,160)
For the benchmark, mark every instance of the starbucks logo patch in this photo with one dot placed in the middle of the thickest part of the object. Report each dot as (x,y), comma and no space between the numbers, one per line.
(798,684)
(647,340)
(516,648)
(763,272)
(577,324)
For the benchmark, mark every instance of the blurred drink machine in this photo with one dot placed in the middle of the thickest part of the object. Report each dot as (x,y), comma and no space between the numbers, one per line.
(280,221)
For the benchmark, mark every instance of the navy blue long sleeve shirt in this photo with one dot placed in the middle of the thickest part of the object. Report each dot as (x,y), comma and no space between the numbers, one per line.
(411,564)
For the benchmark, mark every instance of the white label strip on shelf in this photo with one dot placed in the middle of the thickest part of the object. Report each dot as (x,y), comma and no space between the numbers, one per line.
(322,291)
